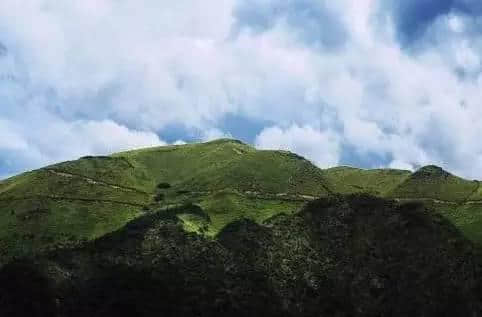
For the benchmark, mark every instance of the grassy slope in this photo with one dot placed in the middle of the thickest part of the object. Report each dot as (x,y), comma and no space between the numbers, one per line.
(452,196)
(227,164)
(357,256)
(225,207)
(229,180)
(86,198)
(41,208)
(348,180)
(459,200)
(433,182)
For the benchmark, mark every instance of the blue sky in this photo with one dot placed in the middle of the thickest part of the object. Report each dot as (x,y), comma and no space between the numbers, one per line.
(369,83)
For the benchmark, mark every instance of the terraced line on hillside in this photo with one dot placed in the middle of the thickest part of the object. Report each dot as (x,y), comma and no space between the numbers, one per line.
(472,193)
(279,196)
(473,202)
(466,200)
(259,195)
(95,181)
(249,194)
(73,199)
(427,199)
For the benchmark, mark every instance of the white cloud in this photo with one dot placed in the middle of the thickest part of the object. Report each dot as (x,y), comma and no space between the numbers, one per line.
(9,140)
(108,137)
(321,147)
(455,23)
(401,165)
(213,134)
(60,141)
(99,76)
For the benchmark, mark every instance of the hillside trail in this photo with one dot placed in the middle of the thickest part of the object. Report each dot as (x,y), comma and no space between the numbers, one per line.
(472,193)
(304,197)
(94,181)
(65,198)
(258,195)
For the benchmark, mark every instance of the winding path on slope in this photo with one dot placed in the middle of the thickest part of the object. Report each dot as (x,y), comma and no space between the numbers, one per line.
(54,197)
(252,194)
(95,181)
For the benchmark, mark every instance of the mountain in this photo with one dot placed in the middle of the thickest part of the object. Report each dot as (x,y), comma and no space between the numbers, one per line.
(75,201)
(459,200)
(351,256)
(433,182)
(221,228)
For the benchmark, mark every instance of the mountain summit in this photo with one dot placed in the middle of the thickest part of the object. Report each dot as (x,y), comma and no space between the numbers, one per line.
(81,200)
(222,228)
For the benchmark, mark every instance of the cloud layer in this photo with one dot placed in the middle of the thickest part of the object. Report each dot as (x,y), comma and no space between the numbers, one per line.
(368,83)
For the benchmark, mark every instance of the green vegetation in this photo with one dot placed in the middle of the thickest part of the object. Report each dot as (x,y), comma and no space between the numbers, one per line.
(163,185)
(221,228)
(454,197)
(348,180)
(344,256)
(467,217)
(435,183)
(75,201)
(44,208)
(80,200)
(225,207)
(225,164)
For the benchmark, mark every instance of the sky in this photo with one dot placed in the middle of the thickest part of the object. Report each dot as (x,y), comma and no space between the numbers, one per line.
(367,83)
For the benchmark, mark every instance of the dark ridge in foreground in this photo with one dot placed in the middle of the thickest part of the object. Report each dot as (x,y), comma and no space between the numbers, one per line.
(341,256)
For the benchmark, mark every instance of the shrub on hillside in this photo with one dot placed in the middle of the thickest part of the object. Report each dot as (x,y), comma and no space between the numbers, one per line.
(163,185)
(159,197)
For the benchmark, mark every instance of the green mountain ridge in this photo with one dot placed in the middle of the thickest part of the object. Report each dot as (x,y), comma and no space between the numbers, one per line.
(80,200)
(70,202)
(223,229)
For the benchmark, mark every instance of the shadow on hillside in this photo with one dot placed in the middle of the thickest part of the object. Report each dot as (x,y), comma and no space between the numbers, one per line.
(341,256)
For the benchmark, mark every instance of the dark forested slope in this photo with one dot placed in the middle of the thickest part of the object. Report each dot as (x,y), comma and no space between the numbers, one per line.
(342,256)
